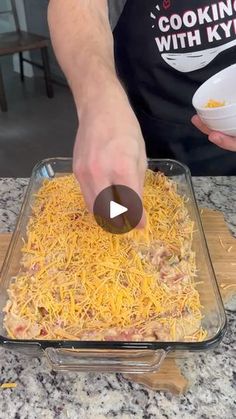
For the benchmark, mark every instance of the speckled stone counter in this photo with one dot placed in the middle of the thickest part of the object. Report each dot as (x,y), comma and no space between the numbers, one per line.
(41,393)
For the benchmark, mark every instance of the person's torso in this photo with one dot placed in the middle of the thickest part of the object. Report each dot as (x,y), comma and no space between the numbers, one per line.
(165,49)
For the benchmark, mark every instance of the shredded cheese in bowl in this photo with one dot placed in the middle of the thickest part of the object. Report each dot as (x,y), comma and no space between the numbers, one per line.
(214,104)
(78,282)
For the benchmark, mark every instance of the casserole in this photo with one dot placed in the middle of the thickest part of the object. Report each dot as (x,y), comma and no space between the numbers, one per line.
(116,356)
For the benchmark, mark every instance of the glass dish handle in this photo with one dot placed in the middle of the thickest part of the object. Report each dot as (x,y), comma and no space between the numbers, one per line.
(126,361)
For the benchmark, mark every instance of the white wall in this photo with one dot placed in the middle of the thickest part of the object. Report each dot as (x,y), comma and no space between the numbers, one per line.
(6,22)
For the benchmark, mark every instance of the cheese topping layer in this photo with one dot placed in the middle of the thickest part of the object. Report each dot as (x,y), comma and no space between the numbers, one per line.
(80,282)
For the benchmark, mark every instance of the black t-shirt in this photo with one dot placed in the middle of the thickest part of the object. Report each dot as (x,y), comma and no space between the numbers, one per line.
(167,50)
(164,50)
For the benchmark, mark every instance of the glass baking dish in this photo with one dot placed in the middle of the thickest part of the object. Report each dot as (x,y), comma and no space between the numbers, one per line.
(136,357)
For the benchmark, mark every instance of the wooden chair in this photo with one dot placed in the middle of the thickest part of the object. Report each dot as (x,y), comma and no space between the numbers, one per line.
(18,42)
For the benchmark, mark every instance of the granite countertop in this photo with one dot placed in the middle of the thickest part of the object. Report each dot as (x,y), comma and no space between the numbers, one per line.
(41,393)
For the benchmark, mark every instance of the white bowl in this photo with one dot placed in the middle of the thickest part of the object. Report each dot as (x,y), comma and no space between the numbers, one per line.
(220,112)
(231,132)
(220,87)
(220,124)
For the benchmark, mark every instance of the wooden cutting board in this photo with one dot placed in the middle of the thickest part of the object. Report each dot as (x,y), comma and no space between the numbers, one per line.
(222,247)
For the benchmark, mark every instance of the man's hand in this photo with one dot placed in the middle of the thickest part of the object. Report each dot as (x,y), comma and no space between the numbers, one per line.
(221,140)
(109,148)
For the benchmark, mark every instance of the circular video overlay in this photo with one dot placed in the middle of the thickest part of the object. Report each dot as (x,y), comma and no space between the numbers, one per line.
(118,209)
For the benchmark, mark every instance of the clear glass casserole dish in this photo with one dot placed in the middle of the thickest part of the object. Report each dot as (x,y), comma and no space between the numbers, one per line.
(136,357)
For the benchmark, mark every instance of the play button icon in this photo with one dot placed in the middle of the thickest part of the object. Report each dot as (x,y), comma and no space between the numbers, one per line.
(118,209)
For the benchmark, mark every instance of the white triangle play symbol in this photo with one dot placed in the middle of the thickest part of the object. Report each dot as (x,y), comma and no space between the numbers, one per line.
(116,209)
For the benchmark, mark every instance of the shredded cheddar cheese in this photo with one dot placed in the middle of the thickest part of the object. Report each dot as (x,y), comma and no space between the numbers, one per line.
(80,282)
(214,104)
(8,385)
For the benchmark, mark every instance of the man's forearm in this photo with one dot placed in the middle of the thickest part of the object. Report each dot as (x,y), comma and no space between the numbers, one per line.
(109,148)
(83,44)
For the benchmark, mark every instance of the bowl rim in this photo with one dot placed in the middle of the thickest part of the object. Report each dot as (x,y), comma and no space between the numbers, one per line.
(230,129)
(217,118)
(203,108)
